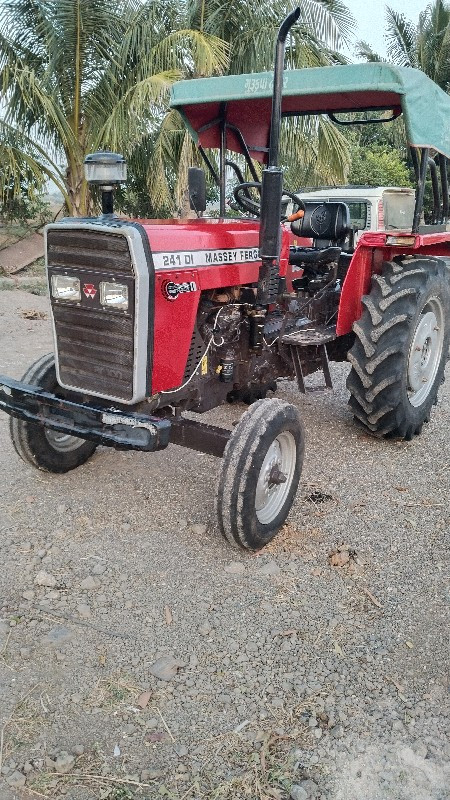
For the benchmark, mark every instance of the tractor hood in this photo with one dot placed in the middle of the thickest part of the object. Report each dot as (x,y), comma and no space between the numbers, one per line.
(206,244)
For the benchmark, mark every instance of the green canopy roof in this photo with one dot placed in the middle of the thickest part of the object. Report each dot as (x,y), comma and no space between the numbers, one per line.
(246,102)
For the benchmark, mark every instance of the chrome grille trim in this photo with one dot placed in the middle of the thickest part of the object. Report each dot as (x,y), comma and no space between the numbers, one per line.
(140,268)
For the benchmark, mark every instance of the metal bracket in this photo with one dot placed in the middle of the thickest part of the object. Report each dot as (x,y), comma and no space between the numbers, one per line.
(295,354)
(198,436)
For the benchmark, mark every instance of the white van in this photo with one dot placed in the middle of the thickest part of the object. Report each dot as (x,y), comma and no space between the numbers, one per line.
(372,208)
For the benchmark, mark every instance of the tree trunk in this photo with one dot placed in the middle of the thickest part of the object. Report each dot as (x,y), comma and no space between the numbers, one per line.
(78,191)
(186,211)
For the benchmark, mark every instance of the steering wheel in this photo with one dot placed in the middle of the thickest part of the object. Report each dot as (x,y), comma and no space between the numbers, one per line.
(246,202)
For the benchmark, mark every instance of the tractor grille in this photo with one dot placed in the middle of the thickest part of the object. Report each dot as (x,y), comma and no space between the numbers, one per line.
(106,252)
(95,346)
(95,351)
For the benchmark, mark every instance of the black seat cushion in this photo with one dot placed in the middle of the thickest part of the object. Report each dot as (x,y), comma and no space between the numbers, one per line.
(326,223)
(309,255)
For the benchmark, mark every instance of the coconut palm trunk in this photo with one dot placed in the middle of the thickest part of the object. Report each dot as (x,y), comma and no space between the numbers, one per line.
(81,75)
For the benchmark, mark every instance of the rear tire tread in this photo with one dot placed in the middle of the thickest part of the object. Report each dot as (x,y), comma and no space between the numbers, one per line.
(377,380)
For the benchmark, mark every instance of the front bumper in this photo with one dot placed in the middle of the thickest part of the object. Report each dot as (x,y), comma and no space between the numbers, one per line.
(123,430)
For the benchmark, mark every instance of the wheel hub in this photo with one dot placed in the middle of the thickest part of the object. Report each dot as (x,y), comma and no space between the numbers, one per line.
(425,352)
(62,442)
(275,477)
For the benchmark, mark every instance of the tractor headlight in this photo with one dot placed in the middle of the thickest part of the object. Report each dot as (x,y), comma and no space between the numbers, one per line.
(65,288)
(114,295)
(105,168)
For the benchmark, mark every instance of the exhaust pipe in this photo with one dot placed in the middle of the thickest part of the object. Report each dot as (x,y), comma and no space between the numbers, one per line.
(272,180)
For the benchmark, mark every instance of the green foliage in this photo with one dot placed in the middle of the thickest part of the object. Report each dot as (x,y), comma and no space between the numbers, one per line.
(24,209)
(81,75)
(22,199)
(378,166)
(378,151)
(425,46)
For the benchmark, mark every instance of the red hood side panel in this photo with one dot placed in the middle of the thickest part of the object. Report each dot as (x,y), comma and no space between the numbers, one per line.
(191,256)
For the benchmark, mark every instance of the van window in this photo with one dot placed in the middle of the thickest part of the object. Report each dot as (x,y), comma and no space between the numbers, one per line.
(358,214)
(359,211)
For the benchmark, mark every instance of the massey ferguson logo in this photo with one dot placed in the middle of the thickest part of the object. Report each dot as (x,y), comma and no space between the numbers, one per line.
(89,290)
(171,290)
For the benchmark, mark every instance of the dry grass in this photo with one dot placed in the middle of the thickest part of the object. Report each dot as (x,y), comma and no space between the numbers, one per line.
(114,691)
(23,724)
(259,757)
(261,773)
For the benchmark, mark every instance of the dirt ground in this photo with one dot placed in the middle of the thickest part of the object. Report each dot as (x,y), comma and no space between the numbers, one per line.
(141,656)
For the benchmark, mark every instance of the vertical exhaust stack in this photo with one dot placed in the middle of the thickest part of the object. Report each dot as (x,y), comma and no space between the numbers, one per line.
(272,180)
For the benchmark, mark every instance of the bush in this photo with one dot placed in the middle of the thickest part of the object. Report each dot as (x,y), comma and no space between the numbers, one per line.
(22,209)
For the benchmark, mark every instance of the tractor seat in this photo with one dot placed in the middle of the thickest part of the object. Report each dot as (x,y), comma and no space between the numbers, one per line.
(309,255)
(328,225)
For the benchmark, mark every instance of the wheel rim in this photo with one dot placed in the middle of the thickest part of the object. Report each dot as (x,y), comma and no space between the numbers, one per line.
(425,352)
(62,442)
(275,477)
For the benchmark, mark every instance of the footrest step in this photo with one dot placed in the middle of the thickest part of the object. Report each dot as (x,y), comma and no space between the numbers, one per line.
(317,335)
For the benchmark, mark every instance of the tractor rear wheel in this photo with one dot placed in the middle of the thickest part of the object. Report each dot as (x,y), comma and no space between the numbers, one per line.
(51,451)
(401,346)
(260,473)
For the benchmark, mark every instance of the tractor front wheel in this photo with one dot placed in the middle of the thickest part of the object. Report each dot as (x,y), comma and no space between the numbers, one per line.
(401,347)
(260,473)
(51,451)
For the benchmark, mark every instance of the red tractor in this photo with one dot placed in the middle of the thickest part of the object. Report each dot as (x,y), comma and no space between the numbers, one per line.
(155,318)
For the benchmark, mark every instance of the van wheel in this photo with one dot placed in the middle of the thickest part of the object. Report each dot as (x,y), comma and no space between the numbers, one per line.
(51,451)
(260,473)
(401,347)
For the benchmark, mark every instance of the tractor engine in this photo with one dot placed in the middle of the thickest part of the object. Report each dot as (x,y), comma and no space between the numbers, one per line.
(238,363)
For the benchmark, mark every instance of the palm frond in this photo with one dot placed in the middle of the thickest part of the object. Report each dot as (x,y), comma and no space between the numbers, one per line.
(165,156)
(401,39)
(202,54)
(20,155)
(128,119)
(329,20)
(364,50)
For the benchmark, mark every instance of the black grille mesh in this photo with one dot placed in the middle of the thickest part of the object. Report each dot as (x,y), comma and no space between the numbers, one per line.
(95,346)
(196,351)
(85,250)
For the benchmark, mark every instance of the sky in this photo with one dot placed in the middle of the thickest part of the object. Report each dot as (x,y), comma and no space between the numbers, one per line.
(370,17)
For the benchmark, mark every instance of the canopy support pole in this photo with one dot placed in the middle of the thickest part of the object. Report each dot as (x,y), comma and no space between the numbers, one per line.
(444,186)
(420,189)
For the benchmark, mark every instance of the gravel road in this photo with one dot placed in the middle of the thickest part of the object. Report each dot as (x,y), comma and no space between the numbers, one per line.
(142,656)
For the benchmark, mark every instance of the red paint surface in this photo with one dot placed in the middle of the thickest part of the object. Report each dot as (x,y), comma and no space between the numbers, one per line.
(357,280)
(252,115)
(356,283)
(173,326)
(174,319)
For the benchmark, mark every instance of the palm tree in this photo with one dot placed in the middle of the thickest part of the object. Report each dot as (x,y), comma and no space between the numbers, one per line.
(250,27)
(316,147)
(80,75)
(425,46)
